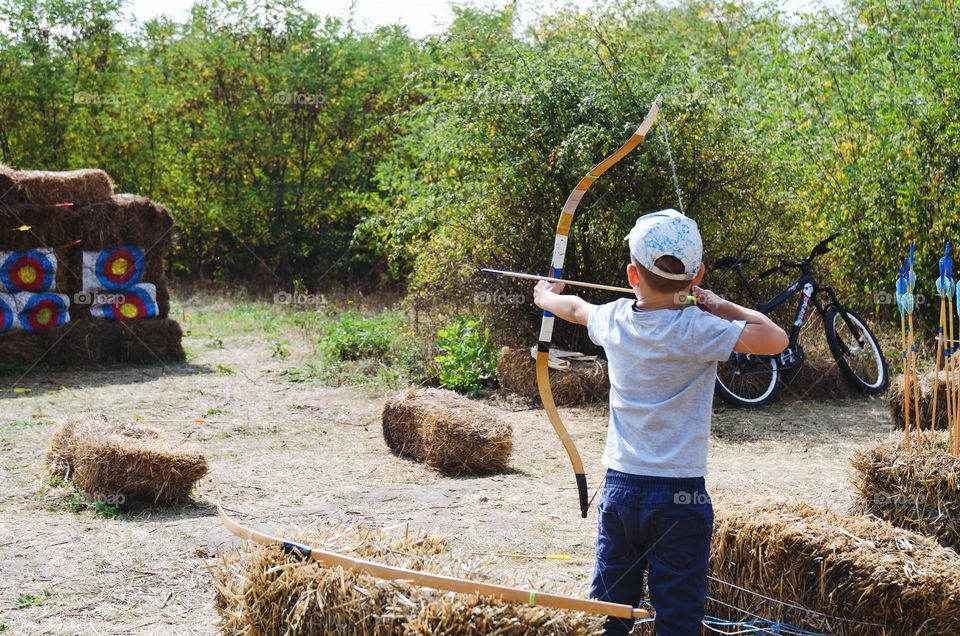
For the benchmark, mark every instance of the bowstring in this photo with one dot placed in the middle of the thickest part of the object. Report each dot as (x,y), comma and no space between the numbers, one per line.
(673,167)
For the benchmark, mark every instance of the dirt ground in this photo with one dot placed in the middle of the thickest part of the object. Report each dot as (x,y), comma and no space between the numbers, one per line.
(287,454)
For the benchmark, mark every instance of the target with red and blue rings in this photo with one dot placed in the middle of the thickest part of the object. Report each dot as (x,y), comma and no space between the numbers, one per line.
(136,303)
(44,311)
(113,269)
(8,313)
(29,271)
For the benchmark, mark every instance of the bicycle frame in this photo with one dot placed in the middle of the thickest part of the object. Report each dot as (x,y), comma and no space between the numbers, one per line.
(809,289)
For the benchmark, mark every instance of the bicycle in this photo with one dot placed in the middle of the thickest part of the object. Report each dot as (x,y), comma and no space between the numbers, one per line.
(749,380)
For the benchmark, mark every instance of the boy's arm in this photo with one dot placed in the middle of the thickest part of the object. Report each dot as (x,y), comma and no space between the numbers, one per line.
(570,308)
(760,336)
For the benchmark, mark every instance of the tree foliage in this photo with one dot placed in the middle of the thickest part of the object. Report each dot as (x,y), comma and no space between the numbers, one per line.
(296,149)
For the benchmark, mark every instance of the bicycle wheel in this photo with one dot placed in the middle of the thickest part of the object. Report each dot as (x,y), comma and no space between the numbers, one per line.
(748,381)
(863,365)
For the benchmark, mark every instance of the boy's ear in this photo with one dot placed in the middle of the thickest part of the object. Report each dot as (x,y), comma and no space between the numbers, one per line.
(700,273)
(633,275)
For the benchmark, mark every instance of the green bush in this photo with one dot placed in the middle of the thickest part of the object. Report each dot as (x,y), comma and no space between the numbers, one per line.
(467,357)
(380,349)
(353,336)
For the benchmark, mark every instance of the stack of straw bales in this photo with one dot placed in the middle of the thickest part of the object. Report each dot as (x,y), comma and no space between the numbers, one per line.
(124,462)
(76,215)
(917,489)
(261,590)
(925,384)
(447,431)
(872,577)
(582,381)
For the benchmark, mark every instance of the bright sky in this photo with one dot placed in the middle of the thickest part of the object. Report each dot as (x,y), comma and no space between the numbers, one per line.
(422,17)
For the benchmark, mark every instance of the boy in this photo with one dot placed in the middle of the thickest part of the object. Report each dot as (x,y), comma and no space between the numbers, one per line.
(655,512)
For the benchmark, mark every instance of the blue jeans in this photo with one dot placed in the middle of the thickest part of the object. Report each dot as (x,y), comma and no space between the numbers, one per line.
(662,524)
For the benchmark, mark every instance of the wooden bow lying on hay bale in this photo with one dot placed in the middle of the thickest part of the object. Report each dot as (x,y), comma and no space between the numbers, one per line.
(574,378)
(290,586)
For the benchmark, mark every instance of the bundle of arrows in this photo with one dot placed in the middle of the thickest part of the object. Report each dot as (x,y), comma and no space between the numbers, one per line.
(947,352)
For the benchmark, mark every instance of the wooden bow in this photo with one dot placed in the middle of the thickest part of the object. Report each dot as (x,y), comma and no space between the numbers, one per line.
(556,271)
(434,581)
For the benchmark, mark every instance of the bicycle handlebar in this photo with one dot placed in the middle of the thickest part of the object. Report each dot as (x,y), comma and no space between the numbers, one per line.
(822,247)
(727,262)
(819,249)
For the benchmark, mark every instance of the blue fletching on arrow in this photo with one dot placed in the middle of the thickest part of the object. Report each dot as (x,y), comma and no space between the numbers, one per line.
(908,301)
(911,254)
(940,279)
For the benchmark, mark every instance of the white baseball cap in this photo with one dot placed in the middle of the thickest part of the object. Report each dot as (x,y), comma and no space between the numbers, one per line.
(667,233)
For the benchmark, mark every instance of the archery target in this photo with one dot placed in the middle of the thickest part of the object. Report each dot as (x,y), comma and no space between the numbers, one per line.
(135,303)
(113,269)
(9,316)
(29,271)
(43,311)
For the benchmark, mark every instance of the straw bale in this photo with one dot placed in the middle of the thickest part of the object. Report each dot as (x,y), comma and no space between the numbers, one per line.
(125,461)
(126,219)
(863,572)
(447,431)
(817,378)
(49,226)
(79,187)
(261,590)
(87,341)
(894,398)
(584,382)
(8,184)
(916,489)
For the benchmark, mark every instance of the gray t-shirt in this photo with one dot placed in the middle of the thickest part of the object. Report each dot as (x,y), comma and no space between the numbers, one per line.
(662,365)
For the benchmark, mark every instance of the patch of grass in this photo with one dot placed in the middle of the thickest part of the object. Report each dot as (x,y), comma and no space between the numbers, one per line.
(57,481)
(223,369)
(25,600)
(281,349)
(354,336)
(105,510)
(29,423)
(76,501)
(380,349)
(299,376)
(214,411)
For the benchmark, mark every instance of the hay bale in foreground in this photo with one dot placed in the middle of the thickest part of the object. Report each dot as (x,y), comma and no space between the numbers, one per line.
(79,187)
(584,382)
(448,431)
(894,398)
(125,462)
(916,489)
(857,568)
(261,590)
